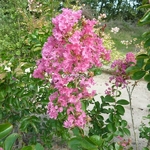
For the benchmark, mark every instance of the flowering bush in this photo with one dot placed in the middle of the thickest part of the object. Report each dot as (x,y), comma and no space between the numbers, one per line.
(67,57)
(120,77)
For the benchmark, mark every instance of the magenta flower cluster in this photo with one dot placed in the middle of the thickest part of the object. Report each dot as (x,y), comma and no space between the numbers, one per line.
(120,77)
(67,56)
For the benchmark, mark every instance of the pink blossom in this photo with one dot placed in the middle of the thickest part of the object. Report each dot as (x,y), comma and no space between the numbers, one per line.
(81,120)
(57,34)
(39,71)
(119,77)
(124,144)
(52,111)
(53,96)
(130,57)
(70,110)
(120,138)
(65,21)
(75,38)
(67,55)
(69,123)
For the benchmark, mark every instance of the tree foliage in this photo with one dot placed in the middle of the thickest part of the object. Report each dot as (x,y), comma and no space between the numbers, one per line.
(123,9)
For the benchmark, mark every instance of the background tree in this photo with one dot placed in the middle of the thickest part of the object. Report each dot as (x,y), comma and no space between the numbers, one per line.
(115,9)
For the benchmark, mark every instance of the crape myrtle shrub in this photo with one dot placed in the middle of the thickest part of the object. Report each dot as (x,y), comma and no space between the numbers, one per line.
(67,57)
(24,100)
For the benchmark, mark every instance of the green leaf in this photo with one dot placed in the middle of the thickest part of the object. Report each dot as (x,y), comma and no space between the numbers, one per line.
(122,102)
(147,66)
(71,84)
(10,140)
(146,34)
(38,45)
(109,137)
(138,75)
(145,148)
(123,123)
(119,132)
(34,127)
(5,129)
(77,142)
(117,146)
(33,36)
(37,49)
(132,69)
(111,117)
(145,19)
(29,120)
(147,43)
(74,143)
(87,144)
(109,98)
(28,148)
(147,117)
(2,95)
(117,92)
(26,65)
(126,131)
(111,127)
(76,131)
(144,6)
(148,86)
(18,53)
(96,139)
(38,146)
(140,62)
(84,105)
(147,78)
(97,71)
(120,109)
(143,56)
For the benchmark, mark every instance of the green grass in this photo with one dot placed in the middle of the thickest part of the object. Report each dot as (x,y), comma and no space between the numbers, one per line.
(128,31)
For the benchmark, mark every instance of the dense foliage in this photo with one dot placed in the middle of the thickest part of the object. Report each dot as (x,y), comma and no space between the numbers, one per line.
(22,102)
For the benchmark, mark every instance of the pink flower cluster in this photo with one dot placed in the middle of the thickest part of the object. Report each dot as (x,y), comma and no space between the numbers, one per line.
(123,142)
(67,56)
(120,77)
